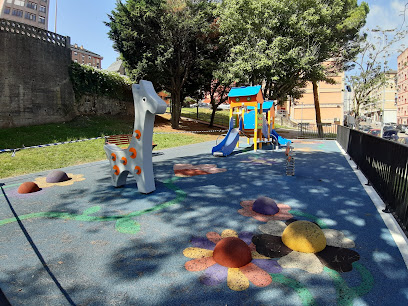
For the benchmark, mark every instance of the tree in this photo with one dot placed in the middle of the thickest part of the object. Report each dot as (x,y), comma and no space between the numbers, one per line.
(263,46)
(336,40)
(159,40)
(284,43)
(370,74)
(209,77)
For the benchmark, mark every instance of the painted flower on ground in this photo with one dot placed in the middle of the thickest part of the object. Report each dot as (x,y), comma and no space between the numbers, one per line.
(260,161)
(184,170)
(304,245)
(256,209)
(230,257)
(42,181)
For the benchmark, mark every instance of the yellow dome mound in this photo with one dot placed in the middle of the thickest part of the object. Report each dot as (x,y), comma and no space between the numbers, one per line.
(304,236)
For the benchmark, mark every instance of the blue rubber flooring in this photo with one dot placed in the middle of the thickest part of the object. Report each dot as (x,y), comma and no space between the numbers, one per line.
(89,243)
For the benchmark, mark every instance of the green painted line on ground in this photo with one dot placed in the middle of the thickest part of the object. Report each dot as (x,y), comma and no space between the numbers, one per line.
(11,185)
(124,223)
(321,223)
(345,294)
(304,294)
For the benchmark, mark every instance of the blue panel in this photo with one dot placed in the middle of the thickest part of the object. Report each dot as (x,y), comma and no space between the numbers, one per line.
(244,91)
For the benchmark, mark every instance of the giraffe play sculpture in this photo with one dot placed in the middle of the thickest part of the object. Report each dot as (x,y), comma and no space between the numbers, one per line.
(137,158)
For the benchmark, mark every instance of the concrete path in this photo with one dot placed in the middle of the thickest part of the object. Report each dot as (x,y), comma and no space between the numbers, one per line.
(88,243)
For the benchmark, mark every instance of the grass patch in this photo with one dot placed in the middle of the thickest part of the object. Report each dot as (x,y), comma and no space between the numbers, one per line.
(40,159)
(80,128)
(204,114)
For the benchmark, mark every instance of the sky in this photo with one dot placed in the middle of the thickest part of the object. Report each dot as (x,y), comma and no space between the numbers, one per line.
(83,22)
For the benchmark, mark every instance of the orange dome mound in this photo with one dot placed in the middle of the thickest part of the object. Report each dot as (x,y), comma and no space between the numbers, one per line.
(28,187)
(232,252)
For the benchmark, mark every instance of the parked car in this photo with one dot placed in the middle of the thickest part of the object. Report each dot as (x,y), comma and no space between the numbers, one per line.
(401,127)
(403,140)
(388,127)
(391,135)
(374,132)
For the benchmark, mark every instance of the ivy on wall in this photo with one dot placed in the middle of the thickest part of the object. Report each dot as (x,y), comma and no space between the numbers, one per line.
(87,80)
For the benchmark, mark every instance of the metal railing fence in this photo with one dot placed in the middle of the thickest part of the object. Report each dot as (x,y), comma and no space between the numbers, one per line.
(308,130)
(19,28)
(385,164)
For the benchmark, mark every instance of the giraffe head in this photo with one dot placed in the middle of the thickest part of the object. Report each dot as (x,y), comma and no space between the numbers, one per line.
(146,98)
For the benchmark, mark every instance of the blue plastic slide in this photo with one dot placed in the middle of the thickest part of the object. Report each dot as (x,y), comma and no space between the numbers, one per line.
(227,145)
(281,141)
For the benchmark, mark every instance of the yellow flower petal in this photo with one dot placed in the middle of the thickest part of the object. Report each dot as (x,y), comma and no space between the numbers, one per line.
(304,261)
(229,233)
(236,280)
(197,253)
(256,255)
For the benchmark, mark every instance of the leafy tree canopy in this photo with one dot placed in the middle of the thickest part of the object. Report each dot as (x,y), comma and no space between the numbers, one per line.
(160,40)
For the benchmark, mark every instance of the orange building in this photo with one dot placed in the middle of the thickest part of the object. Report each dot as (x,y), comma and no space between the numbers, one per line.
(86,57)
(402,87)
(32,12)
(331,99)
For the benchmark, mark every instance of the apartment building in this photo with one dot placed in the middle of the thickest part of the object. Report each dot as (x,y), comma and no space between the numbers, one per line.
(83,56)
(331,97)
(402,86)
(385,98)
(32,12)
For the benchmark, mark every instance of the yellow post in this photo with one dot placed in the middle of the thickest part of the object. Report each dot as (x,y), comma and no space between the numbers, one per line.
(256,128)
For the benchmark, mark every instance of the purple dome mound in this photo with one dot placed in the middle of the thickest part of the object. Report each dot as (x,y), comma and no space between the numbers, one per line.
(57,176)
(265,206)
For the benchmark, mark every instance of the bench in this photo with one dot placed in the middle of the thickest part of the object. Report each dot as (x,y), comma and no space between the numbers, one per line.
(121,141)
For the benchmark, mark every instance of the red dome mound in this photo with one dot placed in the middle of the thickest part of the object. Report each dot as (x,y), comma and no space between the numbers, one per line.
(232,252)
(28,187)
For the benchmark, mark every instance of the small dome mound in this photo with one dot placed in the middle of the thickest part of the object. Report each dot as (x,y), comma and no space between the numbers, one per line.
(265,206)
(57,176)
(28,187)
(232,252)
(304,236)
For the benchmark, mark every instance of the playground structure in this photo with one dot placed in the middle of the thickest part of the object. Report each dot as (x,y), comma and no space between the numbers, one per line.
(137,157)
(252,117)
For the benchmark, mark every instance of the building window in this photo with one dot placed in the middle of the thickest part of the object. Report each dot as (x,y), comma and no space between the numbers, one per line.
(30,16)
(44,0)
(76,61)
(41,19)
(43,9)
(19,2)
(97,66)
(32,5)
(9,1)
(75,53)
(89,57)
(83,56)
(7,10)
(18,13)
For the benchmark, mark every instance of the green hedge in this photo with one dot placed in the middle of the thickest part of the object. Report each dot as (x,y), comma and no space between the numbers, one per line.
(92,81)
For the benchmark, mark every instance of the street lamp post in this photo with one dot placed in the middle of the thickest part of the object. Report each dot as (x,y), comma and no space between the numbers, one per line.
(56,5)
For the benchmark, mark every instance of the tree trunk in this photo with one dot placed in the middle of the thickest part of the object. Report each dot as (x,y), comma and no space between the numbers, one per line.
(176,109)
(317,109)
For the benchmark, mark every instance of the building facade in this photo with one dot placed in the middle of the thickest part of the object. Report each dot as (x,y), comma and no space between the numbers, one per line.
(85,57)
(385,98)
(32,12)
(331,97)
(402,87)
